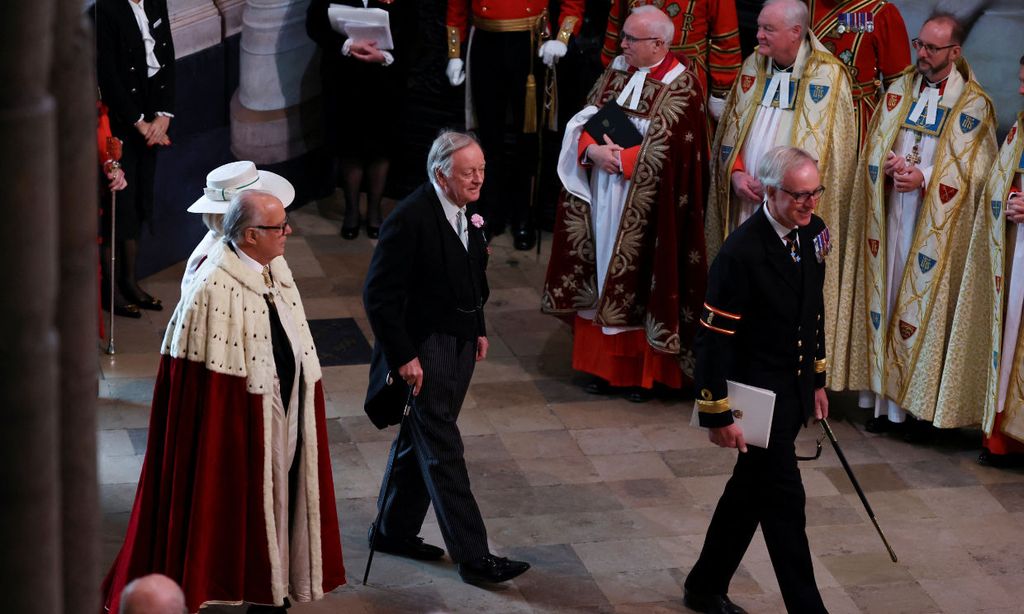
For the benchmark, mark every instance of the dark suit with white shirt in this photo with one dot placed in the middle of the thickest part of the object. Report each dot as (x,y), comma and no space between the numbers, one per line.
(424,297)
(131,94)
(763,325)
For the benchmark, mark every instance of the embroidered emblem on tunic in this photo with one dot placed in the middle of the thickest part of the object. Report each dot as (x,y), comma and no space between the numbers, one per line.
(926,263)
(746,82)
(999,283)
(968,123)
(726,150)
(876,319)
(1009,135)
(997,207)
(907,330)
(817,92)
(947,192)
(873,246)
(891,100)
(995,360)
(873,172)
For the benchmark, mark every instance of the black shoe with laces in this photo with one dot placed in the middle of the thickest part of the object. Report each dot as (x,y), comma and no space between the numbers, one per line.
(491,569)
(409,547)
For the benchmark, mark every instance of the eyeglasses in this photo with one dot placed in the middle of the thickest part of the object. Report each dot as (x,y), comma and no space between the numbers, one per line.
(280,229)
(801,197)
(919,46)
(632,40)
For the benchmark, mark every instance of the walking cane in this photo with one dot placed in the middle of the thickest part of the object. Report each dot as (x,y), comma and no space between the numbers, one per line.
(112,164)
(390,469)
(856,486)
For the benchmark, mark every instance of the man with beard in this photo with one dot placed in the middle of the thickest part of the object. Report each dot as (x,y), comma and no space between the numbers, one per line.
(920,181)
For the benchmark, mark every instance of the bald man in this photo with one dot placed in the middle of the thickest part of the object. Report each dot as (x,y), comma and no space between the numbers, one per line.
(153,594)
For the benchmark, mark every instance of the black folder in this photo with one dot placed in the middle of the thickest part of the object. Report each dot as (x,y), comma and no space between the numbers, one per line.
(612,120)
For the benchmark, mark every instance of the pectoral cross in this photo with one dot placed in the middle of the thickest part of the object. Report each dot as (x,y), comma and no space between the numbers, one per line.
(914,156)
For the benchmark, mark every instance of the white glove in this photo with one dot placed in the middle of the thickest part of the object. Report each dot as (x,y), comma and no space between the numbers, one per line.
(456,72)
(716,106)
(551,51)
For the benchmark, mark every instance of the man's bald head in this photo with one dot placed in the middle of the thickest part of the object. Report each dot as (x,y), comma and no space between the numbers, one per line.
(153,594)
(646,36)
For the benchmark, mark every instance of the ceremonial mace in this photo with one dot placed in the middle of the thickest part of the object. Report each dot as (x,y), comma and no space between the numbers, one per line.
(548,119)
(388,471)
(113,151)
(856,486)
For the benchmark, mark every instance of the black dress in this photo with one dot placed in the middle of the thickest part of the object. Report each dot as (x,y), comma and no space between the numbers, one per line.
(362,101)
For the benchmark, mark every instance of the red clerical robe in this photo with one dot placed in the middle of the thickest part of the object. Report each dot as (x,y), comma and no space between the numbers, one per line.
(628,248)
(874,58)
(206,512)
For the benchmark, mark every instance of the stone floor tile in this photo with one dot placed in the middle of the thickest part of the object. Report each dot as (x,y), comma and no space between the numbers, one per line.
(707,461)
(498,394)
(563,498)
(119,469)
(130,365)
(640,586)
(871,477)
(495,475)
(664,437)
(934,474)
(831,510)
(611,441)
(960,501)
(893,598)
(540,444)
(852,570)
(561,390)
(638,466)
(632,555)
(606,412)
(706,490)
(499,369)
(1000,559)
(485,448)
(576,469)
(115,442)
(572,527)
(523,419)
(1010,496)
(652,492)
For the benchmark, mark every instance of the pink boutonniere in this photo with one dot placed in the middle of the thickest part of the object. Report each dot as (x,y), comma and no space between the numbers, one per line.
(477,220)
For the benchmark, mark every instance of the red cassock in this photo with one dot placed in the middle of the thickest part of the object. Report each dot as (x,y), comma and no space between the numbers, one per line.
(201,509)
(657,272)
(707,33)
(874,58)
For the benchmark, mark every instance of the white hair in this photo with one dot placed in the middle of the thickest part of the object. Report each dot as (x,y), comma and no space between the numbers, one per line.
(779,161)
(794,12)
(443,149)
(658,23)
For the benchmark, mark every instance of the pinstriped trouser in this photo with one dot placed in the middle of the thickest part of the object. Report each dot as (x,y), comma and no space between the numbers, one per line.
(429,464)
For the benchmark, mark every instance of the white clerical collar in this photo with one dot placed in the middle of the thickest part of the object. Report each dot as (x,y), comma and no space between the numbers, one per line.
(779,228)
(247,259)
(450,208)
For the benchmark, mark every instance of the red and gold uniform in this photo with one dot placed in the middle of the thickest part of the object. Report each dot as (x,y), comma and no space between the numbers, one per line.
(706,33)
(503,75)
(874,58)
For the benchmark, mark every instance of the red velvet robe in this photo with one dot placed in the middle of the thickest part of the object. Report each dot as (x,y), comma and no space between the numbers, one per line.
(199,514)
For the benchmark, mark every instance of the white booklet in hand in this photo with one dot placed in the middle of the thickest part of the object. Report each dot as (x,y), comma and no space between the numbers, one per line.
(752,409)
(362,24)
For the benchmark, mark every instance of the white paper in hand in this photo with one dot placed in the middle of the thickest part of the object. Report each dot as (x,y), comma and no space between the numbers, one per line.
(752,409)
(362,24)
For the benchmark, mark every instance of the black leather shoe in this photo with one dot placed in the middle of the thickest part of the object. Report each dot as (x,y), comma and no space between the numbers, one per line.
(710,604)
(491,569)
(598,386)
(150,303)
(128,310)
(372,231)
(524,239)
(349,232)
(409,547)
(1000,461)
(638,395)
(880,424)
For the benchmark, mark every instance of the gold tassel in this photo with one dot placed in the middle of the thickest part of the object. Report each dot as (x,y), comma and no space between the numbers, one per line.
(530,106)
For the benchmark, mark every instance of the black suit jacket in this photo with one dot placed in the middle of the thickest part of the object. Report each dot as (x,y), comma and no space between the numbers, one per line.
(763,321)
(421,281)
(121,61)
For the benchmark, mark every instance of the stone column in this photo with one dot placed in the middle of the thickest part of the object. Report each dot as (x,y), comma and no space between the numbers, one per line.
(195,25)
(74,88)
(231,15)
(275,114)
(30,559)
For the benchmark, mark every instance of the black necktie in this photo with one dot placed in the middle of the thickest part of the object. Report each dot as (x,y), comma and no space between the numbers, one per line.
(790,240)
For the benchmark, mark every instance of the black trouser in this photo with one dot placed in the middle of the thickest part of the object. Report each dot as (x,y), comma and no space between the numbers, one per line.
(429,466)
(499,64)
(765,489)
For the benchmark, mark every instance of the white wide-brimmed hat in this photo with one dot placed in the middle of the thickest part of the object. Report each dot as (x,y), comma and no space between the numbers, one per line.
(223,182)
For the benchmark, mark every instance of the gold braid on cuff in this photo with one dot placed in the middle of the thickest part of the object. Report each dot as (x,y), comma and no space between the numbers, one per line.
(454,42)
(713,407)
(820,365)
(565,32)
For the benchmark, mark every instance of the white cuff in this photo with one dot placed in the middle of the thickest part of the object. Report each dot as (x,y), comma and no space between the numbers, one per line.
(388,58)
(346,47)
(164,114)
(927,172)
